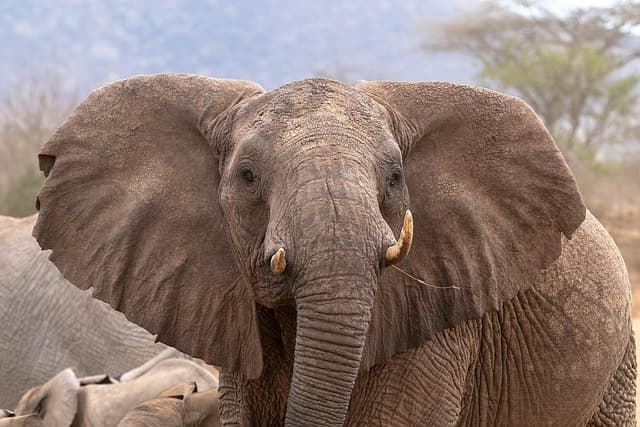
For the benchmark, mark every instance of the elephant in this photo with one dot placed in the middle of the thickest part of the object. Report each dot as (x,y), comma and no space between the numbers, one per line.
(66,400)
(49,325)
(257,230)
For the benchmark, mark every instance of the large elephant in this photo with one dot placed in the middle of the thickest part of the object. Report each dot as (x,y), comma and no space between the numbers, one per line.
(256,230)
(48,325)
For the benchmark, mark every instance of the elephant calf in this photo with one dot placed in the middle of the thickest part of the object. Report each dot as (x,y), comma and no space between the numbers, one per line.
(385,254)
(100,400)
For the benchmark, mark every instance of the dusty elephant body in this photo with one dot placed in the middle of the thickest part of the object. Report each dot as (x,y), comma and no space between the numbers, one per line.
(49,325)
(257,231)
(560,353)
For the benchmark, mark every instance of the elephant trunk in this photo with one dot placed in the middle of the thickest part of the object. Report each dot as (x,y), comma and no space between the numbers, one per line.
(334,293)
(330,338)
(335,252)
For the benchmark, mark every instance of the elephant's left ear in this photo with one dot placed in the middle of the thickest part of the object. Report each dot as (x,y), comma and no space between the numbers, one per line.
(56,401)
(491,196)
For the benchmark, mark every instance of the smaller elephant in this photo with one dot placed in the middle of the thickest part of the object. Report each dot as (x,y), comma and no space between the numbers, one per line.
(55,402)
(102,400)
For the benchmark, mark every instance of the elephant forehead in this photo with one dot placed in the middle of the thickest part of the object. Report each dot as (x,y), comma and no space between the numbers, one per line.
(313,106)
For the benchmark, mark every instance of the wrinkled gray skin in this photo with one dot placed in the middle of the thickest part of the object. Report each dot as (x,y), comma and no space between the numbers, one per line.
(49,325)
(537,331)
(67,400)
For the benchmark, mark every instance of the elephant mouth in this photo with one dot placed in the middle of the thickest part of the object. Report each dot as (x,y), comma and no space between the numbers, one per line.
(273,292)
(274,286)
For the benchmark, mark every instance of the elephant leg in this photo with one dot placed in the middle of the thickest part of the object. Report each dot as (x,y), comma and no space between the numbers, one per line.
(251,403)
(617,407)
(423,386)
(233,409)
(262,401)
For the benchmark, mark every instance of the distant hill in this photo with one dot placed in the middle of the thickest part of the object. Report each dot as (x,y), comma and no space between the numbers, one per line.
(271,42)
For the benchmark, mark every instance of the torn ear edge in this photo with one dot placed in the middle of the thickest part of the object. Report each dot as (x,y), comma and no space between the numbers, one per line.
(45,163)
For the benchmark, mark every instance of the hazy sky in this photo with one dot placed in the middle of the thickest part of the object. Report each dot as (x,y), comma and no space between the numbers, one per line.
(91,42)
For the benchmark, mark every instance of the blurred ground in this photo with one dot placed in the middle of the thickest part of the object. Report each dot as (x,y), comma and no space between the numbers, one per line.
(636,329)
(624,227)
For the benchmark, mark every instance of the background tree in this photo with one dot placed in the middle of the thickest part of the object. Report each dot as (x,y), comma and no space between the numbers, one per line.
(29,113)
(577,70)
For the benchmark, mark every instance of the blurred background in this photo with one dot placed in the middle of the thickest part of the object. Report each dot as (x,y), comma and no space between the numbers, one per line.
(576,62)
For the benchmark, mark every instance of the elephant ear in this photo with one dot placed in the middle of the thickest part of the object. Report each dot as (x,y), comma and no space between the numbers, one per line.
(130,207)
(56,401)
(491,197)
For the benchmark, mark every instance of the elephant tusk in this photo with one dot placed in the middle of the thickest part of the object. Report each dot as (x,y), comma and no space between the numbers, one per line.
(278,262)
(397,252)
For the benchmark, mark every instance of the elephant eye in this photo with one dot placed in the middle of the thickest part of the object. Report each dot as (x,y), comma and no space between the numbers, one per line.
(248,176)
(394,179)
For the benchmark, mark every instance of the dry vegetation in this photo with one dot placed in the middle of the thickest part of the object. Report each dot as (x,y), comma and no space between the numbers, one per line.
(579,71)
(29,113)
(614,198)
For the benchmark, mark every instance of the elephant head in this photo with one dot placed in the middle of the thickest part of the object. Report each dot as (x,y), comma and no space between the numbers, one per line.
(190,201)
(54,402)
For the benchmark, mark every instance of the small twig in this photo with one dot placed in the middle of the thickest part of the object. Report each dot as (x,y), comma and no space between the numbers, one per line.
(422,282)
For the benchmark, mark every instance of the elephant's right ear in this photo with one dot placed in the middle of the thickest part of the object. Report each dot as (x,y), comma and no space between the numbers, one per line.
(130,207)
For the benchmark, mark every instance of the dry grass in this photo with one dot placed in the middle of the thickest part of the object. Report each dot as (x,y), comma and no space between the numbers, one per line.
(616,203)
(624,227)
(636,329)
